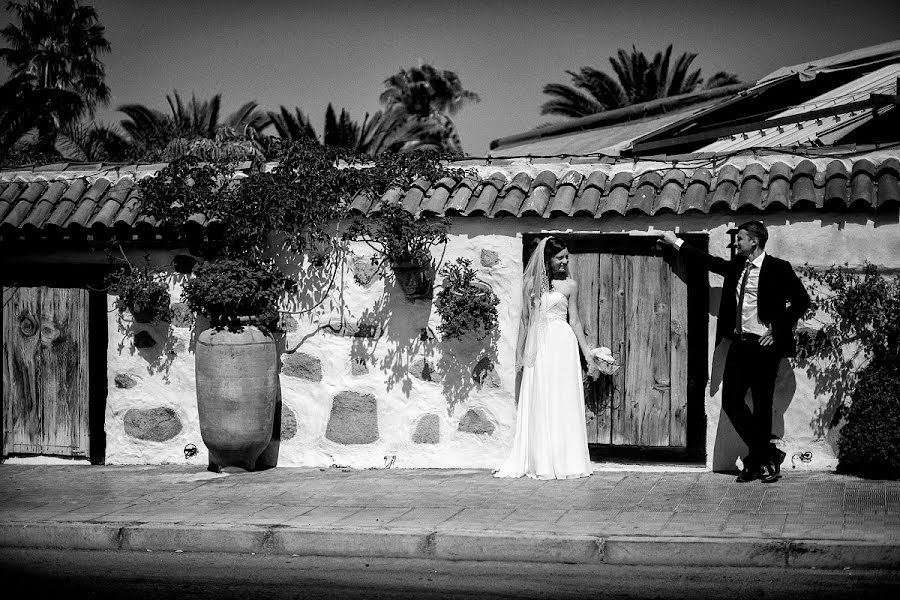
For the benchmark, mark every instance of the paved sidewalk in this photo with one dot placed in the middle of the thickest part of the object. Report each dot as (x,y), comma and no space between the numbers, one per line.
(689,517)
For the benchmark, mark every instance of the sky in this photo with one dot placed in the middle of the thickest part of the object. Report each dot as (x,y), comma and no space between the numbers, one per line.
(307,54)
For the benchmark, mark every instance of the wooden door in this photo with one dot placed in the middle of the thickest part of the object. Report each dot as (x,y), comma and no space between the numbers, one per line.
(633,300)
(45,371)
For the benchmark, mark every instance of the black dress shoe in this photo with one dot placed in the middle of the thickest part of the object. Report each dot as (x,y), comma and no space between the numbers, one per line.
(773,469)
(750,474)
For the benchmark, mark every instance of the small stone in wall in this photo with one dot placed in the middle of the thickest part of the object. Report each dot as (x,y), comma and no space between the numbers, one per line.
(125,382)
(304,366)
(152,424)
(181,315)
(353,419)
(289,323)
(428,430)
(489,258)
(143,339)
(288,423)
(485,374)
(364,271)
(359,367)
(476,421)
(423,369)
(358,329)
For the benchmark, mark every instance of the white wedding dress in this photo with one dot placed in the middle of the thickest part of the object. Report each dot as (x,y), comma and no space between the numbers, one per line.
(551,436)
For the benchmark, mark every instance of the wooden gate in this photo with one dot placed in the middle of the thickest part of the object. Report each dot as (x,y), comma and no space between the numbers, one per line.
(633,299)
(45,371)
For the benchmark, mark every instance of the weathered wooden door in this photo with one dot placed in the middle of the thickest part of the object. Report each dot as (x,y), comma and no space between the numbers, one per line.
(634,301)
(45,371)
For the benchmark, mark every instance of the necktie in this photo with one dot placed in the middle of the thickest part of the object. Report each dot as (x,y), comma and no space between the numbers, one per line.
(739,317)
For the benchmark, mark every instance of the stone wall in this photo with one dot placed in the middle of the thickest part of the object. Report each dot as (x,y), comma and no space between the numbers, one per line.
(367,381)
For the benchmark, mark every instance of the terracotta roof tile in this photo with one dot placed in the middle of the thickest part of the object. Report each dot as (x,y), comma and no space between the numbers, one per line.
(483,200)
(510,202)
(672,191)
(888,184)
(803,186)
(536,202)
(753,180)
(41,201)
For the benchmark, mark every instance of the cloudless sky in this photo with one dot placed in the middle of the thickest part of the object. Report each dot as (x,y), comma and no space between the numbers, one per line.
(306,54)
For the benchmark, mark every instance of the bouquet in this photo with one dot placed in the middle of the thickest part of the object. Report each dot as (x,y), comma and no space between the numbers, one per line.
(601,360)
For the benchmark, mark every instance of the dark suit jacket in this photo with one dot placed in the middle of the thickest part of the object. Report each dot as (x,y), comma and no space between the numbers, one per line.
(782,298)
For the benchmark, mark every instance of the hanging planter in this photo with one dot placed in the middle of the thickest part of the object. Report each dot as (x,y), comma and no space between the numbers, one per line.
(465,304)
(143,292)
(415,278)
(404,242)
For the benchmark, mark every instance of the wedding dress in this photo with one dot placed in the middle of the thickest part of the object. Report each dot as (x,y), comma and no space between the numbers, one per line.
(551,436)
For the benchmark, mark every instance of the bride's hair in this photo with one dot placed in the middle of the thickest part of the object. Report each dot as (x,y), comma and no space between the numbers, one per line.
(553,247)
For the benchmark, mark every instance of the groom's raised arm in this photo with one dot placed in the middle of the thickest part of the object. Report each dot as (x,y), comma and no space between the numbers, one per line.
(712,263)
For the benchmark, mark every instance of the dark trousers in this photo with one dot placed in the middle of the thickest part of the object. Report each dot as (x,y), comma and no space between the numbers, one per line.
(750,366)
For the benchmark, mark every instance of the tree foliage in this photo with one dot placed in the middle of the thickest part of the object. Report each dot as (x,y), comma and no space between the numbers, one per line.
(855,358)
(637,79)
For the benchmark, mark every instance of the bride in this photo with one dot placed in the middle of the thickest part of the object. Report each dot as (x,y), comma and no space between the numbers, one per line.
(551,436)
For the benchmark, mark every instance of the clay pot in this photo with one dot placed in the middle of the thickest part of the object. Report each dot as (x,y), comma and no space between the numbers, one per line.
(415,278)
(237,386)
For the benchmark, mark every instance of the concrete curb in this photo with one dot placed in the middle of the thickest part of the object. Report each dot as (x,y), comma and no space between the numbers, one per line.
(454,545)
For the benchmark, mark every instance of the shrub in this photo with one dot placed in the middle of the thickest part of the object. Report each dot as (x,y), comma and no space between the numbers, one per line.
(860,344)
(870,439)
(231,293)
(465,304)
(142,291)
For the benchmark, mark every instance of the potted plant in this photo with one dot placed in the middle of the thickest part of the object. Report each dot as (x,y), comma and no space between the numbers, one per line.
(142,291)
(403,241)
(465,304)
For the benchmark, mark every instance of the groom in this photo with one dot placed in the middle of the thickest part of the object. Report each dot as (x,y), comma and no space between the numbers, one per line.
(762,300)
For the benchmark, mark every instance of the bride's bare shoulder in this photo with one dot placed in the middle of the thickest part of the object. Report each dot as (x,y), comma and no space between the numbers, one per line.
(566,285)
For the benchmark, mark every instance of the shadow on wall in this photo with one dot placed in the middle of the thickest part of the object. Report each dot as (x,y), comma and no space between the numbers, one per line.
(728,446)
(468,364)
(154,342)
(403,325)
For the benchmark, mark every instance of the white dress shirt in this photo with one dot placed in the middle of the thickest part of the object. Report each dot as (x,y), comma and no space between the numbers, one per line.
(750,322)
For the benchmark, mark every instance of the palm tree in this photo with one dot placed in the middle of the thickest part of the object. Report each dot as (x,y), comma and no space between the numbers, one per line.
(637,80)
(421,100)
(58,43)
(29,113)
(157,134)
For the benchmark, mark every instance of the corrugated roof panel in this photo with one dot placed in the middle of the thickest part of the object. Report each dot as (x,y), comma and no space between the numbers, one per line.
(827,129)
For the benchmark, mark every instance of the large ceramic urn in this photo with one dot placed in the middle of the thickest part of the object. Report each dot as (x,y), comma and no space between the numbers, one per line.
(237,385)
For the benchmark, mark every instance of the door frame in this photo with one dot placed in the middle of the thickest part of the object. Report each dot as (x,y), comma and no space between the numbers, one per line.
(92,278)
(697,334)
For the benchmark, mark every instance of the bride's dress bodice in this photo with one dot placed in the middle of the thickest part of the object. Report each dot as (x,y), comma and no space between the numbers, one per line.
(555,305)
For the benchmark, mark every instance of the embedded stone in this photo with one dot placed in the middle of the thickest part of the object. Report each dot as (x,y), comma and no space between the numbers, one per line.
(353,419)
(358,329)
(152,424)
(428,430)
(364,271)
(304,366)
(181,315)
(125,382)
(359,367)
(476,421)
(485,374)
(289,323)
(423,369)
(288,423)
(143,339)
(489,258)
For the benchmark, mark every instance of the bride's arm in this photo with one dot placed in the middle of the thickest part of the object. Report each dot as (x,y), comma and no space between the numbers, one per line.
(575,319)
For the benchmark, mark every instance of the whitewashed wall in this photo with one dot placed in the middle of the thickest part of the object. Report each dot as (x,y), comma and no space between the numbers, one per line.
(485,409)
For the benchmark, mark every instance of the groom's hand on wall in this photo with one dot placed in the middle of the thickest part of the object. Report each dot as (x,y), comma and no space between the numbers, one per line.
(668,237)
